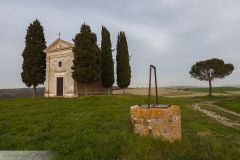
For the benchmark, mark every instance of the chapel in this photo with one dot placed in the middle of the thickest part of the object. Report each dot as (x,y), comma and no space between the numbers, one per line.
(59,81)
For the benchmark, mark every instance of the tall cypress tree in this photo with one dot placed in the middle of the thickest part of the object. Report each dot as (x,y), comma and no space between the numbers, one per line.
(107,60)
(34,58)
(123,65)
(86,64)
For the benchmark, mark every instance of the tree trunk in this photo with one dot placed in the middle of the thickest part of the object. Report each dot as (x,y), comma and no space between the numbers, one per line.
(34,91)
(108,91)
(76,89)
(123,91)
(86,90)
(210,87)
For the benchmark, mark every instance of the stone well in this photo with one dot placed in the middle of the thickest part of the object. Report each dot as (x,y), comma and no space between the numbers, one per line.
(164,123)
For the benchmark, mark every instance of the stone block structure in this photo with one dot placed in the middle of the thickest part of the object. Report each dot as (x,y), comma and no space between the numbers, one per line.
(164,123)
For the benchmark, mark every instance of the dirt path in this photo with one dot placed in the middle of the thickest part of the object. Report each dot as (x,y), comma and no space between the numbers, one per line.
(221,119)
(222,109)
(173,93)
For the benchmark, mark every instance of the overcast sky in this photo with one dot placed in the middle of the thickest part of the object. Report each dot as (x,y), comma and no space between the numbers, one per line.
(171,34)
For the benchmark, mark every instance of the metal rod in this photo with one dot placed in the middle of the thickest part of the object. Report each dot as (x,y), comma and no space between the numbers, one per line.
(149,89)
(156,85)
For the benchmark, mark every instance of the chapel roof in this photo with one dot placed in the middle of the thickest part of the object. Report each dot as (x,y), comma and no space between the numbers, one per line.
(59,44)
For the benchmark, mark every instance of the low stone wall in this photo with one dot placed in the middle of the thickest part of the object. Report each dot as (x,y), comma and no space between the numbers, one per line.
(158,122)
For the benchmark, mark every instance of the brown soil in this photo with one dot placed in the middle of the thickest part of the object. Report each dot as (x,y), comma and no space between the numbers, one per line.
(203,134)
(172,93)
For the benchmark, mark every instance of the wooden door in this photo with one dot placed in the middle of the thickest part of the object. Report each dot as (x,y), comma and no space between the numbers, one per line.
(59,86)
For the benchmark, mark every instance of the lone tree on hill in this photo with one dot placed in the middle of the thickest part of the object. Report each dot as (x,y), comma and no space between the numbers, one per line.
(34,58)
(123,66)
(211,69)
(86,64)
(107,60)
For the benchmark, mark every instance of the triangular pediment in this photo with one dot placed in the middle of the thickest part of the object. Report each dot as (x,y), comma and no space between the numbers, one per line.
(58,44)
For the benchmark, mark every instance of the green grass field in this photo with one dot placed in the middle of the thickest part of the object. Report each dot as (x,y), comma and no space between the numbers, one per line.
(222,113)
(97,127)
(231,104)
(215,89)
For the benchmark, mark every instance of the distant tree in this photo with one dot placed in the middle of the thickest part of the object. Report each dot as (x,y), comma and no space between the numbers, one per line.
(34,58)
(107,60)
(123,65)
(211,69)
(86,64)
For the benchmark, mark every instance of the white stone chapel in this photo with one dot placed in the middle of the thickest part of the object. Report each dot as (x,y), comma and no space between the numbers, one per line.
(59,81)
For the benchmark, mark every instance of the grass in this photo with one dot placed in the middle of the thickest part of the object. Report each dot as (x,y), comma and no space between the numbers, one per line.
(215,89)
(231,104)
(97,127)
(222,113)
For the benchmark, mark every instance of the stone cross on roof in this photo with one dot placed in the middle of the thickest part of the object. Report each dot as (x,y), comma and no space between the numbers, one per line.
(59,35)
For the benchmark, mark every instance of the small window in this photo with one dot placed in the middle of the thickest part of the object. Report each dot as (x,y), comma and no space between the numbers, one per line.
(60,64)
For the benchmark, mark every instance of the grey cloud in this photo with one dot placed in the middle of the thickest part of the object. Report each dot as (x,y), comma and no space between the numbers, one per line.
(170,34)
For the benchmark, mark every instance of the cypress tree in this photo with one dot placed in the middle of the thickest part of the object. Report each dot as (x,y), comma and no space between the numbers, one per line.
(34,58)
(107,60)
(86,64)
(123,66)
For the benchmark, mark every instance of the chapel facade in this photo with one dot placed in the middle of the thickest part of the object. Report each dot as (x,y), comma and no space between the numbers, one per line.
(59,81)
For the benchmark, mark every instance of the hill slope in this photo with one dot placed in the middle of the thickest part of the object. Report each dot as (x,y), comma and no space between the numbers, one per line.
(19,93)
(97,127)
